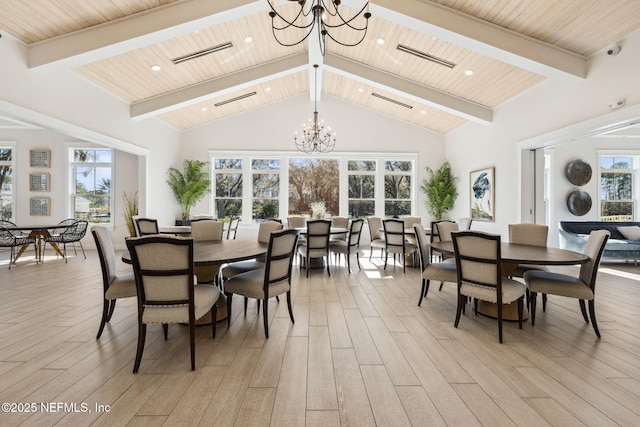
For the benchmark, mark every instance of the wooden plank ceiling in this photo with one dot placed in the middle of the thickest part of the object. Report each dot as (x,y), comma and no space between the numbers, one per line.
(441,98)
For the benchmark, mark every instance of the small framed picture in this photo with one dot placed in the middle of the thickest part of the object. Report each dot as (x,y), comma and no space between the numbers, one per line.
(39,181)
(40,206)
(40,158)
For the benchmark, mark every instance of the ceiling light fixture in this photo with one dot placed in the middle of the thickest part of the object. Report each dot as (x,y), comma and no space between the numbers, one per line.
(202,53)
(315,137)
(237,98)
(426,56)
(402,104)
(324,17)
(156,68)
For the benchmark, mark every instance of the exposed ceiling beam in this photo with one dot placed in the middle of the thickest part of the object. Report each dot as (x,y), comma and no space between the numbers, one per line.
(408,89)
(139,30)
(219,86)
(483,37)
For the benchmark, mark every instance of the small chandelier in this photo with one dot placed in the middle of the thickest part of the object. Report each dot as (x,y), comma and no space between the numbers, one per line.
(316,138)
(326,18)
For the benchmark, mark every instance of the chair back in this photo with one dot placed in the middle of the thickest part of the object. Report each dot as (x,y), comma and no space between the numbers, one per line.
(593,249)
(528,234)
(445,229)
(206,229)
(66,225)
(106,253)
(7,238)
(234,221)
(76,232)
(163,270)
(465,223)
(339,222)
(145,226)
(282,246)
(410,220)
(394,232)
(6,222)
(318,233)
(265,230)
(435,236)
(423,250)
(478,259)
(296,222)
(355,230)
(375,228)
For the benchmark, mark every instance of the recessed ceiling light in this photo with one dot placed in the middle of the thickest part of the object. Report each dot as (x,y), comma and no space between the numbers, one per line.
(423,112)
(204,109)
(469,72)
(360,89)
(380,40)
(156,68)
(267,89)
(248,39)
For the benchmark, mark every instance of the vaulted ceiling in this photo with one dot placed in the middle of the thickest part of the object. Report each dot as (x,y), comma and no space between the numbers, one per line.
(508,45)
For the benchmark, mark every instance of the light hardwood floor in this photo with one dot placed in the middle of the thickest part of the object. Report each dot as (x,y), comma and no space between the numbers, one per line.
(361,352)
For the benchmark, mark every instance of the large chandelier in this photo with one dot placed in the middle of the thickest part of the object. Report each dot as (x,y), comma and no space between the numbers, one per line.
(316,138)
(326,19)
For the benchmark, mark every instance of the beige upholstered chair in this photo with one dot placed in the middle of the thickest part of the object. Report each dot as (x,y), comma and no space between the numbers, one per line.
(396,241)
(163,270)
(465,223)
(479,266)
(145,226)
(114,286)
(408,224)
(351,245)
(528,234)
(296,222)
(376,233)
(317,244)
(264,234)
(273,280)
(206,230)
(440,271)
(339,222)
(234,222)
(435,237)
(582,287)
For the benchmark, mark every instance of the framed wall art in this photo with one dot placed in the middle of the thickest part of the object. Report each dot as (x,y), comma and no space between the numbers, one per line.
(40,206)
(482,198)
(39,181)
(40,158)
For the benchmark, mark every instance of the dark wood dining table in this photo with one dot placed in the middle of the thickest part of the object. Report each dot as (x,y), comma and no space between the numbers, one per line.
(513,254)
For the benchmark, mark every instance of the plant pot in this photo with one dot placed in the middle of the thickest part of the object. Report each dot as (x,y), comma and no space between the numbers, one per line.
(183,222)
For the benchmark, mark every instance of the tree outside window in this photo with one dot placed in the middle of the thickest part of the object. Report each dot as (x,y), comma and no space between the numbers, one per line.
(397,188)
(314,180)
(266,188)
(362,188)
(228,183)
(616,188)
(92,172)
(6,183)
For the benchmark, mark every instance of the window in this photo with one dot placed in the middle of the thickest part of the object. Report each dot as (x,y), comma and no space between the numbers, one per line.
(92,173)
(228,185)
(6,183)
(397,187)
(266,188)
(362,188)
(617,179)
(314,180)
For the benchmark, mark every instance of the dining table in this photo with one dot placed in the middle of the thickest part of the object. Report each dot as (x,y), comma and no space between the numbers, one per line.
(40,232)
(513,254)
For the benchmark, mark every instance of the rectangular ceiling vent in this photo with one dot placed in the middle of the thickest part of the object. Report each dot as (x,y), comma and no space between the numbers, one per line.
(237,98)
(202,53)
(402,104)
(426,56)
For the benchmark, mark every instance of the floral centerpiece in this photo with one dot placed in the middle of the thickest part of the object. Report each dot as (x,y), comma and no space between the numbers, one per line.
(318,210)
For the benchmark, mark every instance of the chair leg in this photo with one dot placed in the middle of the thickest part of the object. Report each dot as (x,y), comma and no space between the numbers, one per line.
(112,306)
(192,342)
(328,267)
(358,259)
(106,309)
(214,316)
(265,318)
(441,284)
(583,308)
(165,329)
(289,307)
(461,302)
(500,323)
(532,302)
(229,297)
(348,256)
(386,255)
(82,247)
(142,333)
(423,291)
(592,314)
(246,302)
(520,312)
(544,302)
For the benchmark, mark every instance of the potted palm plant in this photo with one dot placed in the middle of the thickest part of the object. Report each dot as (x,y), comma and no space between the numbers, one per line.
(440,189)
(189,186)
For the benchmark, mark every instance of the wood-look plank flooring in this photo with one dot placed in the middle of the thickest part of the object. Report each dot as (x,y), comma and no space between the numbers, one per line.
(361,353)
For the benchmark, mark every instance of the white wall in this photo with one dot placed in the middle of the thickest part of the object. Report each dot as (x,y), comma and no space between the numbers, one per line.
(547,107)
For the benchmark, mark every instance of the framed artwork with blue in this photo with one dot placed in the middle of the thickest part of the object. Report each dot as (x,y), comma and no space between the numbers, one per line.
(481,184)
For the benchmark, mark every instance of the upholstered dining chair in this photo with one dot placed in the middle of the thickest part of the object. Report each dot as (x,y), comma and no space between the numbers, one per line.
(439,271)
(396,241)
(408,224)
(435,237)
(351,245)
(232,231)
(145,226)
(465,223)
(264,234)
(70,235)
(11,240)
(273,280)
(204,229)
(376,233)
(582,287)
(528,234)
(339,222)
(166,292)
(479,268)
(317,244)
(114,285)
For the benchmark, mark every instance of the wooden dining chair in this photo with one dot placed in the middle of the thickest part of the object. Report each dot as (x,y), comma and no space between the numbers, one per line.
(434,236)
(376,235)
(479,275)
(351,245)
(317,243)
(582,287)
(438,271)
(145,226)
(205,229)
(396,242)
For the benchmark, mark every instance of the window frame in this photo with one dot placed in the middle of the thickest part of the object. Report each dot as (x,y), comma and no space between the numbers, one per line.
(11,145)
(71,149)
(635,178)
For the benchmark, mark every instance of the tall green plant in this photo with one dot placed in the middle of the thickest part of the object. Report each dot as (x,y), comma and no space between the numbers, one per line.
(130,208)
(440,190)
(189,185)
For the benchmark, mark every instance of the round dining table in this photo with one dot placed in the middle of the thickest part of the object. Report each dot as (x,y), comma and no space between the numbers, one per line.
(40,232)
(513,254)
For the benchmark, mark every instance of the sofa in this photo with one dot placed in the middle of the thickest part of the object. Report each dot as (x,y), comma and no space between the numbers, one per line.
(624,242)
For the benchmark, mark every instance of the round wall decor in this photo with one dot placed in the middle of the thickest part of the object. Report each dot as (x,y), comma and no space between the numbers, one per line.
(579,202)
(578,172)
